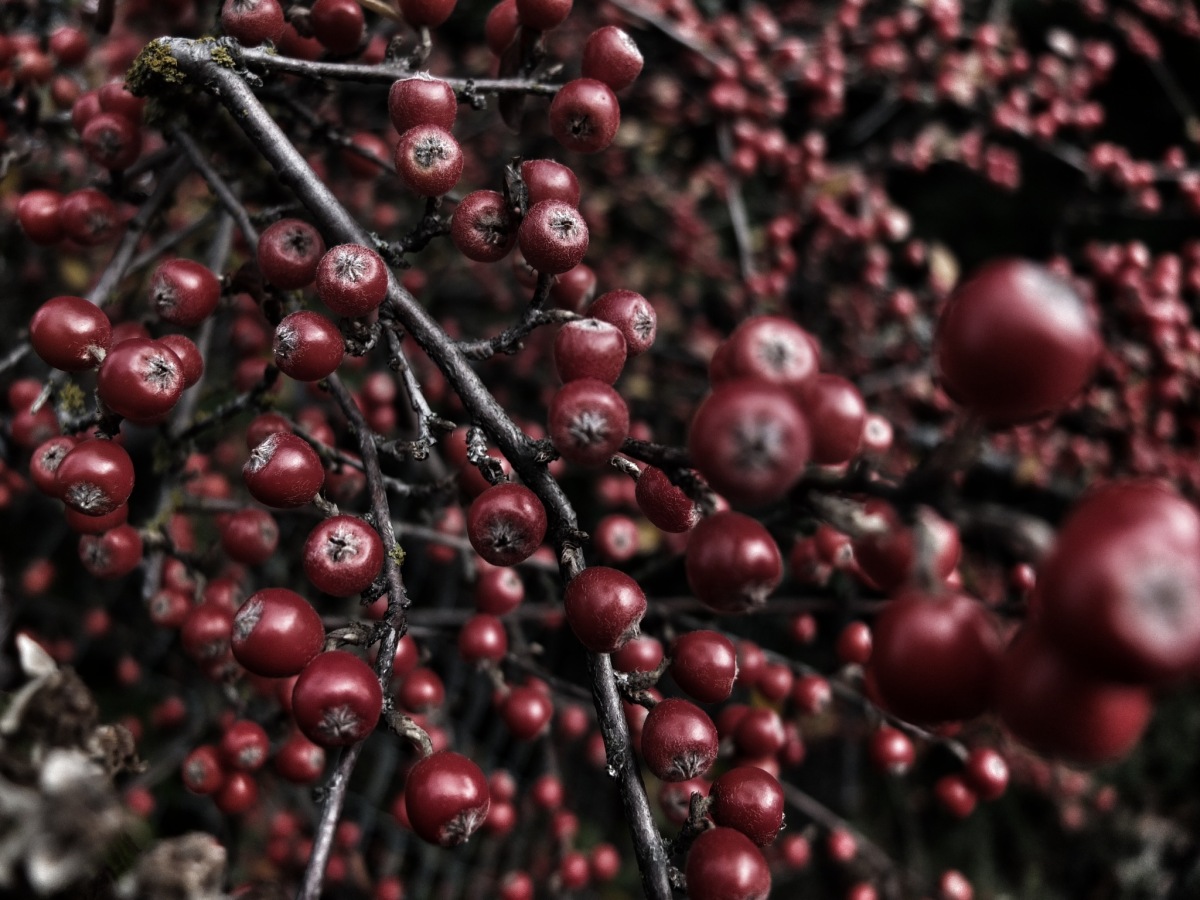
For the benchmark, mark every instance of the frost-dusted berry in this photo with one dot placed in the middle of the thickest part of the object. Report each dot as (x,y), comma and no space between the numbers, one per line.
(70,333)
(664,503)
(283,471)
(352,280)
(585,115)
(483,229)
(604,608)
(553,237)
(308,346)
(506,524)
(343,555)
(679,740)
(632,313)
(95,477)
(253,22)
(184,292)
(276,633)
(289,252)
(447,798)
(589,348)
(588,421)
(140,379)
(429,160)
(421,100)
(337,699)
(612,56)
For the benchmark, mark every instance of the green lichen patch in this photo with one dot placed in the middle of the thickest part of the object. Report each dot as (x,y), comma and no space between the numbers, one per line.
(154,67)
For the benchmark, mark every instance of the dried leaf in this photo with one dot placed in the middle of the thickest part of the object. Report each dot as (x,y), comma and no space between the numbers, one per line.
(383,8)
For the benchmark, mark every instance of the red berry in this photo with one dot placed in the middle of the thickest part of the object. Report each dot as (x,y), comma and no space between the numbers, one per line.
(1015,342)
(113,554)
(891,750)
(724,864)
(308,346)
(276,633)
(750,800)
(589,348)
(283,471)
(663,503)
(202,770)
(501,26)
(732,562)
(612,56)
(498,590)
(543,15)
(40,215)
(70,333)
(352,280)
(506,524)
(337,699)
(343,555)
(205,632)
(338,24)
(237,795)
(111,140)
(89,217)
(482,638)
(604,608)
(954,796)
(588,421)
(546,179)
(249,536)
(553,237)
(244,746)
(446,797)
(527,712)
(836,415)
(426,13)
(483,229)
(934,656)
(95,477)
(987,773)
(140,379)
(184,293)
(253,22)
(429,160)
(299,760)
(679,740)
(421,100)
(750,441)
(289,252)
(585,115)
(190,360)
(704,665)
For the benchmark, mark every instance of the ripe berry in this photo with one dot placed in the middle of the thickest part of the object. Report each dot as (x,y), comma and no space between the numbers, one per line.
(205,632)
(642,654)
(506,524)
(1052,707)
(543,15)
(184,292)
(553,237)
(704,665)
(888,556)
(276,633)
(299,760)
(113,554)
(343,555)
(483,229)
(500,27)
(934,657)
(750,800)
(589,348)
(337,699)
(588,421)
(44,463)
(724,864)
(663,503)
(338,24)
(769,348)
(253,22)
(40,215)
(1015,342)
(429,160)
(604,608)
(421,691)
(527,712)
(283,471)
(891,750)
(836,415)
(112,141)
(70,333)
(732,562)
(585,115)
(750,441)
(190,360)
(1118,592)
(244,746)
(612,56)
(498,590)
(289,252)
(249,536)
(954,796)
(89,217)
(759,733)
(237,795)
(308,346)
(546,179)
(95,477)
(421,100)
(140,379)
(482,638)
(352,280)
(679,740)
(202,770)
(446,798)
(987,773)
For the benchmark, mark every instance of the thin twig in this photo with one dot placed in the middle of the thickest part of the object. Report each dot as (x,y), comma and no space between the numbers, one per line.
(216,183)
